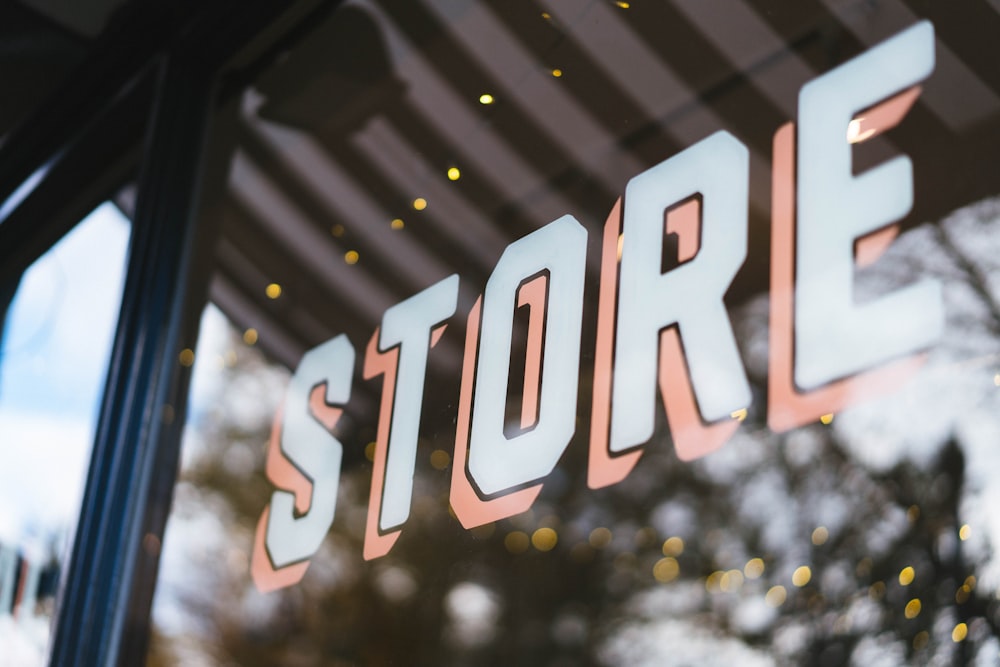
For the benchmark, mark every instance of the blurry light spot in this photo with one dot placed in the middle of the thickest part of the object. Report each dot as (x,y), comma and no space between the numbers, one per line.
(754,568)
(486,98)
(964,532)
(666,569)
(876,591)
(250,336)
(959,633)
(557,72)
(776,596)
(337,230)
(151,543)
(913,513)
(906,576)
(673,546)
(970,581)
(544,539)
(713,583)
(351,257)
(220,361)
(454,174)
(623,4)
(739,415)
(273,291)
(546,16)
(397,223)
(186,357)
(962,594)
(827,419)
(854,130)
(731,581)
(996,379)
(600,537)
(419,204)
(920,640)
(370,451)
(820,535)
(440,459)
(912,609)
(516,542)
(231,358)
(644,537)
(801,576)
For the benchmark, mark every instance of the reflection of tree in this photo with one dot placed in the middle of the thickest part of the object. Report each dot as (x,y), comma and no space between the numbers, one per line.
(614,590)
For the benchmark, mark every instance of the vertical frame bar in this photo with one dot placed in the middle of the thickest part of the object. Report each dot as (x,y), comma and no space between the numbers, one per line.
(132,447)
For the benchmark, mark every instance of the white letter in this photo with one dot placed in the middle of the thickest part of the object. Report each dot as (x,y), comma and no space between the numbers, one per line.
(834,337)
(307,444)
(496,463)
(689,295)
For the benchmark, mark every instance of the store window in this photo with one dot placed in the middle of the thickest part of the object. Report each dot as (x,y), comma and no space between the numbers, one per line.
(612,333)
(54,356)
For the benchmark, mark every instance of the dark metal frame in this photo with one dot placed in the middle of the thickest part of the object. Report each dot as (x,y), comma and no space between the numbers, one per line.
(144,97)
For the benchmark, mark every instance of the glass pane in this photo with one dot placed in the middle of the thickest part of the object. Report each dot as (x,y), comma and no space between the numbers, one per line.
(739,408)
(53,364)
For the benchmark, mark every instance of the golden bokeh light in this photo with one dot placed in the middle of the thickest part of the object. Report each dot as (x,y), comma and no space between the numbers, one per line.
(959,633)
(516,542)
(419,204)
(370,451)
(273,291)
(486,98)
(250,336)
(352,257)
(623,4)
(739,415)
(440,459)
(801,576)
(827,419)
(557,72)
(337,230)
(600,537)
(666,570)
(912,609)
(906,576)
(397,223)
(673,546)
(820,535)
(964,532)
(776,596)
(921,639)
(544,539)
(454,174)
(754,568)
(186,357)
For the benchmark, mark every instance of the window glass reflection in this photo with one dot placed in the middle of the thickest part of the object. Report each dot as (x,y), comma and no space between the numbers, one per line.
(53,362)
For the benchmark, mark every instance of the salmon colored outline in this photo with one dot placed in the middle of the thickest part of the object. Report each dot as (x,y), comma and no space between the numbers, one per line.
(884,115)
(386,364)
(788,408)
(436,334)
(692,437)
(685,222)
(603,468)
(284,475)
(534,295)
(469,508)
